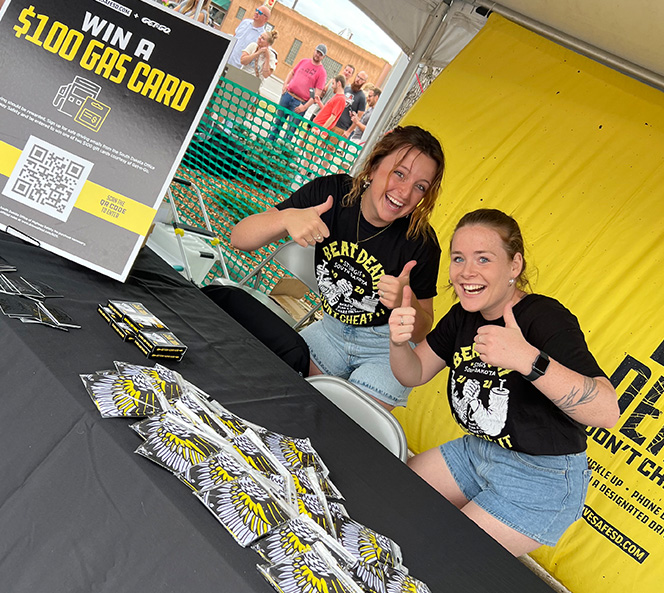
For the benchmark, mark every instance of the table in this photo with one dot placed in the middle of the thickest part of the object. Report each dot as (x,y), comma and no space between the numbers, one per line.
(79,511)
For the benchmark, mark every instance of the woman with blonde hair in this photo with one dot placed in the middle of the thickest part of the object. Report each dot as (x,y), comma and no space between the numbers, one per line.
(258,58)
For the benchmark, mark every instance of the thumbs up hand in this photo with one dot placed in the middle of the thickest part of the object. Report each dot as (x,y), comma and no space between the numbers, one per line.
(505,347)
(390,288)
(402,319)
(305,225)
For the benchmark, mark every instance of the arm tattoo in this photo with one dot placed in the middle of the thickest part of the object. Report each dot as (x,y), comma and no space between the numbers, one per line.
(570,402)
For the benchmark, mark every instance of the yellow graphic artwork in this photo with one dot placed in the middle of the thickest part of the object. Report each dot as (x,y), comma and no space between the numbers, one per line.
(92,114)
(574,151)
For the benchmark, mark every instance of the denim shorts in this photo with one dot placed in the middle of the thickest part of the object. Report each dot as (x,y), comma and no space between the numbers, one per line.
(359,354)
(539,496)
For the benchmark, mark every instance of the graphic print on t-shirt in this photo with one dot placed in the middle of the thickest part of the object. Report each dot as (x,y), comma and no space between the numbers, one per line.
(347,278)
(479,397)
(479,417)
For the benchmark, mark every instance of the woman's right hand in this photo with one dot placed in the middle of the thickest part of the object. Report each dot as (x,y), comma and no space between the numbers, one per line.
(305,225)
(402,319)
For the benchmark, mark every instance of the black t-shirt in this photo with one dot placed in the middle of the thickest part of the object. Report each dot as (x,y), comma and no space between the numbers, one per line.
(348,271)
(355,101)
(500,405)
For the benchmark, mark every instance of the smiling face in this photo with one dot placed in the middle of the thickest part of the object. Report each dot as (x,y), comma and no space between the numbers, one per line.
(481,270)
(262,40)
(398,184)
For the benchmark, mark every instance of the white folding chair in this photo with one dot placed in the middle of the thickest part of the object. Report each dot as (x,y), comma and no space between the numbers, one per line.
(371,416)
(298,261)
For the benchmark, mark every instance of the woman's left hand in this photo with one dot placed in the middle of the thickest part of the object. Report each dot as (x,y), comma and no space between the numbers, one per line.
(390,288)
(505,347)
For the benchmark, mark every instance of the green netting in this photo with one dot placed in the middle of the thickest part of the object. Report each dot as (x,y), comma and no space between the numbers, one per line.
(243,161)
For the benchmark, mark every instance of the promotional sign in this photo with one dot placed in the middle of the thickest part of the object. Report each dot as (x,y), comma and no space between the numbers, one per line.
(98,101)
(573,150)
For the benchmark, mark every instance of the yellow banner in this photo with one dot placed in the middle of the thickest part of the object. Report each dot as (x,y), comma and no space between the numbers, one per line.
(573,150)
(95,199)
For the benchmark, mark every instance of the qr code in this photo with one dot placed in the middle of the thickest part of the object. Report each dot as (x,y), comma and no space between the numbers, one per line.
(47,178)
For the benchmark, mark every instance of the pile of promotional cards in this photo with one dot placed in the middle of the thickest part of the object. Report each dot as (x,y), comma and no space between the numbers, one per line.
(135,323)
(270,491)
(23,299)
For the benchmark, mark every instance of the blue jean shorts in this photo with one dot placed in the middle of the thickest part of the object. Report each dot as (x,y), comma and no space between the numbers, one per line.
(359,354)
(539,496)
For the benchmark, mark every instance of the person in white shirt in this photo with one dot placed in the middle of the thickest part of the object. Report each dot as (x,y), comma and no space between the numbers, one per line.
(248,31)
(258,58)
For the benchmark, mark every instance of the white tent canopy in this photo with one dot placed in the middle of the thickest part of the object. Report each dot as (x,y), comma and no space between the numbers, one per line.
(624,33)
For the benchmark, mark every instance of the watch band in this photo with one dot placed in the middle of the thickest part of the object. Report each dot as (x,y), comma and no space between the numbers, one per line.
(540,365)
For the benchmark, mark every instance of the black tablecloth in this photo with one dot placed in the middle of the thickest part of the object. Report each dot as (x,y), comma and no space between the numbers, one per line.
(79,511)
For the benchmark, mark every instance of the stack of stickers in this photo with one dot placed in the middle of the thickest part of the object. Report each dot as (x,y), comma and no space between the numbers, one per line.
(270,491)
(134,323)
(23,299)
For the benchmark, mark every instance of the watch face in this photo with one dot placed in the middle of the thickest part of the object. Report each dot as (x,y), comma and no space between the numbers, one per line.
(541,364)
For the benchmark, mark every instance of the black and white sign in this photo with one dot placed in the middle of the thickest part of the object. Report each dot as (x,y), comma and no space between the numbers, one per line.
(98,101)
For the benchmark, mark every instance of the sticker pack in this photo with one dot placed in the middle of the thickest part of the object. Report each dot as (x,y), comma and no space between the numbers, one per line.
(271,492)
(133,322)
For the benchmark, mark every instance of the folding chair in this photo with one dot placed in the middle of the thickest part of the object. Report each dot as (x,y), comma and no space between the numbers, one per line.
(298,261)
(371,416)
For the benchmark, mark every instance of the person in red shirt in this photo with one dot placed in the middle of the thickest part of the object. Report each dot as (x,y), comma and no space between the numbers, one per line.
(330,113)
(327,117)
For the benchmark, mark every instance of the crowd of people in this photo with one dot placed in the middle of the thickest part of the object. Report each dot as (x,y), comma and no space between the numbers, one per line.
(307,89)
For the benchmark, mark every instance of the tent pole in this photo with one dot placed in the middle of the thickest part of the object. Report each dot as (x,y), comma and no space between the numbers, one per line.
(431,31)
(421,46)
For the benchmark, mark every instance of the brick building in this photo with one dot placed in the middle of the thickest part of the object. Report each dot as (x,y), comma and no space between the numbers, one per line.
(298,38)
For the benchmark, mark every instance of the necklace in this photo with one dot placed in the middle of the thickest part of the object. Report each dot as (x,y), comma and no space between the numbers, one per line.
(357,230)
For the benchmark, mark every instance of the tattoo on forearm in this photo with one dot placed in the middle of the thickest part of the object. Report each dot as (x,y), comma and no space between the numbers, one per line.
(570,403)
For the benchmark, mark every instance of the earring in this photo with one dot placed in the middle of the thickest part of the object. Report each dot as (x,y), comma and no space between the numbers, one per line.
(511,281)
(366,182)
